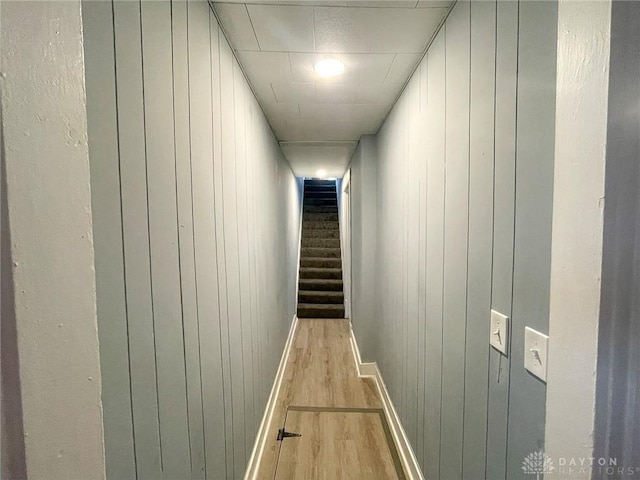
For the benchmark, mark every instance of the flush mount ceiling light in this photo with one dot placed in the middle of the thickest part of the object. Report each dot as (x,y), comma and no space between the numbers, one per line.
(329,67)
(321,173)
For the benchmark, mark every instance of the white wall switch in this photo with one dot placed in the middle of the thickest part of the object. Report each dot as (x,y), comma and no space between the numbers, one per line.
(535,352)
(499,335)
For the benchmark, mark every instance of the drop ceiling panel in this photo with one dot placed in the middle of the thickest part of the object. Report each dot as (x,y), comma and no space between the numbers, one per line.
(283,28)
(383,3)
(374,93)
(358,68)
(379,30)
(433,4)
(402,66)
(336,93)
(294,92)
(308,159)
(278,43)
(263,67)
(235,18)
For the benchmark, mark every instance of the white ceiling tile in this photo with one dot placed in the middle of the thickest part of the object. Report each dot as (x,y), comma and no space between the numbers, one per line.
(282,110)
(262,89)
(433,4)
(293,92)
(237,25)
(379,46)
(383,3)
(375,30)
(314,3)
(359,68)
(307,158)
(402,66)
(270,66)
(283,28)
(336,93)
(383,94)
(349,113)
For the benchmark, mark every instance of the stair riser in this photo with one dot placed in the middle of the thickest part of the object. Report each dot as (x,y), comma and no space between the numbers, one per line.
(320,196)
(312,313)
(320,193)
(321,202)
(321,242)
(320,183)
(317,209)
(320,217)
(320,252)
(320,262)
(321,297)
(320,226)
(315,286)
(315,233)
(321,274)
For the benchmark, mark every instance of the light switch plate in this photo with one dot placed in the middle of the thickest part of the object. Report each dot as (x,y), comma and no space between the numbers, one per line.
(499,334)
(535,352)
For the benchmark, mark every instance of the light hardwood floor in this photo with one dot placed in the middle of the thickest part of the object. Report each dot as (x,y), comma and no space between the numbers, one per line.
(321,372)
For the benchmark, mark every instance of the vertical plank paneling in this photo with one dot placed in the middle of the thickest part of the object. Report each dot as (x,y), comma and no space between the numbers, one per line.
(483,15)
(108,241)
(186,236)
(196,212)
(453,237)
(456,239)
(201,139)
(243,260)
(436,115)
(412,265)
(133,178)
(231,252)
(420,168)
(535,137)
(163,231)
(215,37)
(503,227)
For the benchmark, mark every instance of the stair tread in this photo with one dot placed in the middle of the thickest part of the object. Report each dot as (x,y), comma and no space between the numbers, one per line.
(321,269)
(318,293)
(322,306)
(321,280)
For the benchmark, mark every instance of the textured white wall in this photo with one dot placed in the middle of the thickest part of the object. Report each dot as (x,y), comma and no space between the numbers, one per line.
(580,154)
(49,213)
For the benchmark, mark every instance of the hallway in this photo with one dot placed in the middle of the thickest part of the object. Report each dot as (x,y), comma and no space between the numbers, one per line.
(188,186)
(320,372)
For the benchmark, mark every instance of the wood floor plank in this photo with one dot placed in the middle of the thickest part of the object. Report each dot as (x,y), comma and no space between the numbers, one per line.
(320,372)
(349,444)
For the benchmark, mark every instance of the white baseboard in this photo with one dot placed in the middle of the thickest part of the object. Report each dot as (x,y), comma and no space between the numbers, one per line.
(263,431)
(370,369)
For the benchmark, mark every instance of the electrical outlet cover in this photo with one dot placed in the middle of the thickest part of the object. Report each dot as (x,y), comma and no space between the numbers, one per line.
(535,352)
(499,334)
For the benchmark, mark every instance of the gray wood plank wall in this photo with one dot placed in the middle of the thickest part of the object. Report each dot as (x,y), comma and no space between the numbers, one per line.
(196,221)
(463,199)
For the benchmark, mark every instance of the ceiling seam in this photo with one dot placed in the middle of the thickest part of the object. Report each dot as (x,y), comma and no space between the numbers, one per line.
(253,29)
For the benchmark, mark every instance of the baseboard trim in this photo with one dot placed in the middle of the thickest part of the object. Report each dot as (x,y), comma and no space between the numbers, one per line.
(261,439)
(371,370)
